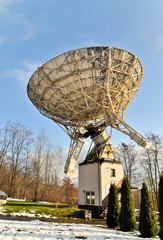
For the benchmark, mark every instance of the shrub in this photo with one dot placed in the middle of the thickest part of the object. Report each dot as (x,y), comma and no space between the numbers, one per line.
(161,206)
(127,213)
(112,219)
(147,223)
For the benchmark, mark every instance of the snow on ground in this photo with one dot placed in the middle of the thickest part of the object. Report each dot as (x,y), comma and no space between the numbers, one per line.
(31,214)
(37,230)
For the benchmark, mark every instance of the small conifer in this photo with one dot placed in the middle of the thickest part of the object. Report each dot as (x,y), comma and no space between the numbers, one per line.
(112,219)
(161,206)
(127,213)
(147,223)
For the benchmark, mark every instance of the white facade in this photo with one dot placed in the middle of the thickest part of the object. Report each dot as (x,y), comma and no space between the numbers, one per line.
(94,181)
(88,182)
(107,177)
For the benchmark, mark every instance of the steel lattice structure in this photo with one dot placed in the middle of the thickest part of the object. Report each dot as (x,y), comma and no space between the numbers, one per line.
(86,86)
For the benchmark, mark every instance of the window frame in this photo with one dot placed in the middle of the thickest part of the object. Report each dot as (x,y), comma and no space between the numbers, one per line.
(90,197)
(112,172)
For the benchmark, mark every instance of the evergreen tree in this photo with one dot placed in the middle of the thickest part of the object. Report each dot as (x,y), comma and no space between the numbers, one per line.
(147,223)
(112,219)
(161,206)
(127,213)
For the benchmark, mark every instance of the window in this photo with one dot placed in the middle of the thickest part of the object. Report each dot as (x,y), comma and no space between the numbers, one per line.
(90,198)
(112,172)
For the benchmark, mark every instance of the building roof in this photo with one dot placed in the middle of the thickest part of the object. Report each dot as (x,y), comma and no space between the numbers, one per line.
(100,161)
(2,193)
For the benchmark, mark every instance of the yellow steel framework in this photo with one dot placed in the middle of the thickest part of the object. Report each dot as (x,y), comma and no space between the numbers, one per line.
(92,85)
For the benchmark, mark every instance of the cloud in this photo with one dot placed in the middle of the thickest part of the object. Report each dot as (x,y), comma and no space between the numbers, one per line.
(30,32)
(16,21)
(159,43)
(22,75)
(145,35)
(2,40)
(5,3)
(23,28)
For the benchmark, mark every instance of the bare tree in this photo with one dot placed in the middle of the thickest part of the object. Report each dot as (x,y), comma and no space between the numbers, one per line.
(56,189)
(26,169)
(153,164)
(19,135)
(29,168)
(38,158)
(5,141)
(47,172)
(127,154)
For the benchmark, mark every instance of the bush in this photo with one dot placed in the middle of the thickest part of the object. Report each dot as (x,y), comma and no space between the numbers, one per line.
(127,213)
(112,219)
(147,223)
(161,206)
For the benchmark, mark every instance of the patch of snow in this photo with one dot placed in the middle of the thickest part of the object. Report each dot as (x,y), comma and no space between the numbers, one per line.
(37,230)
(24,200)
(16,199)
(32,214)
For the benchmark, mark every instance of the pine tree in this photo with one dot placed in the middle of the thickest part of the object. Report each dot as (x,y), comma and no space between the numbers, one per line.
(112,219)
(147,223)
(161,206)
(127,213)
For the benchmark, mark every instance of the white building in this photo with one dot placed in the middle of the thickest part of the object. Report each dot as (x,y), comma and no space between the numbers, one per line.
(95,178)
(3,198)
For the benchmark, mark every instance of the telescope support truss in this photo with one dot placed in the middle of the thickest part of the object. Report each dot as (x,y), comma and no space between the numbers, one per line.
(123,127)
(74,151)
(102,145)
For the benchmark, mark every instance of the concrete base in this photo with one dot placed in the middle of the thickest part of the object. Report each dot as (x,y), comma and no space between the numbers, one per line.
(96,210)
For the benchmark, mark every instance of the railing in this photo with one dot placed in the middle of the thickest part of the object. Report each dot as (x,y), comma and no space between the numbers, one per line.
(105,189)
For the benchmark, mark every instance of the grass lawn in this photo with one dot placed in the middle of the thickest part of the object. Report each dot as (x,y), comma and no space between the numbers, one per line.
(32,209)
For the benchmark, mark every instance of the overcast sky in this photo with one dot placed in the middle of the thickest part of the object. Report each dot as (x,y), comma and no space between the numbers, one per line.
(34,31)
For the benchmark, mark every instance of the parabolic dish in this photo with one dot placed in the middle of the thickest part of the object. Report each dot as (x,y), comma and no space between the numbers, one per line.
(75,88)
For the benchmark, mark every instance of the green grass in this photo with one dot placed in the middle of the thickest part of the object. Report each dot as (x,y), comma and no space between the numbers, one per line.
(36,204)
(41,209)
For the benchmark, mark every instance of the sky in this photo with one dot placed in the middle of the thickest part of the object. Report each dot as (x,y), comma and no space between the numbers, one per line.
(34,31)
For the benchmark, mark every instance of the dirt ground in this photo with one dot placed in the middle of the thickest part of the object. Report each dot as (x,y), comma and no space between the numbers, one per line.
(93,221)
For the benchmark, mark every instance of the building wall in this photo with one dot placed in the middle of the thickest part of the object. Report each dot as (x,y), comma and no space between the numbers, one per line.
(107,179)
(88,182)
(91,181)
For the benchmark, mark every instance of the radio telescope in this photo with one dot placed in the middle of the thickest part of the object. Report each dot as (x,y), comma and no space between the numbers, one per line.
(86,90)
